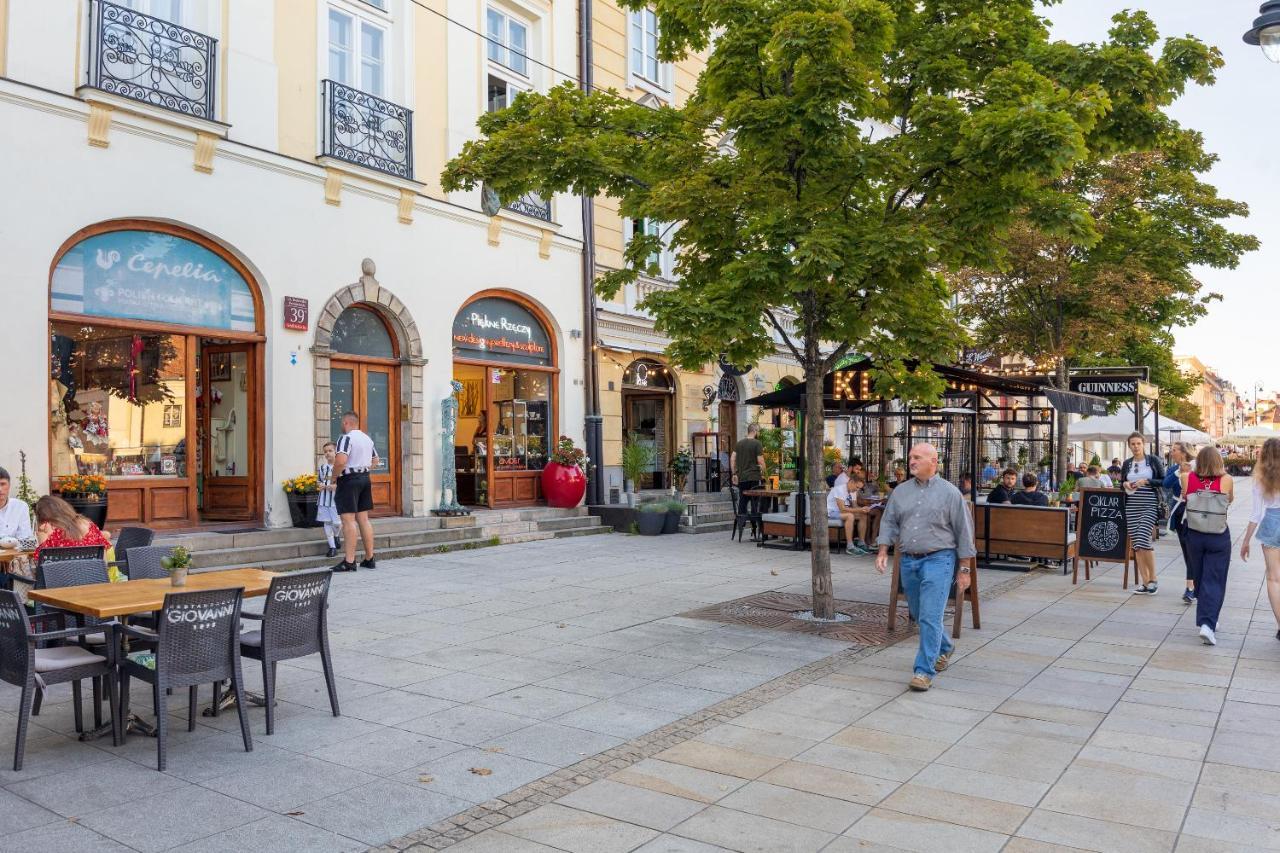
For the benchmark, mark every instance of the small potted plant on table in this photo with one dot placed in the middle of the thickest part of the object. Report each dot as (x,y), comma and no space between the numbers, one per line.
(177,564)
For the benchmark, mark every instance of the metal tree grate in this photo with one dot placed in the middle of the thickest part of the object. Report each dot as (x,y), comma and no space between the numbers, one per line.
(777,610)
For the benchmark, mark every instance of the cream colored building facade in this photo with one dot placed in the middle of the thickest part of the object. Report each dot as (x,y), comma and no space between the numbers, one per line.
(642,395)
(224,221)
(1222,410)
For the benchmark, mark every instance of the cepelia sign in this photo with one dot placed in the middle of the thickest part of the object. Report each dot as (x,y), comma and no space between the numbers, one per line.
(148,275)
(493,329)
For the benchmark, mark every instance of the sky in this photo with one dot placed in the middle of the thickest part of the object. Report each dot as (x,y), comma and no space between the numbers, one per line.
(1238,126)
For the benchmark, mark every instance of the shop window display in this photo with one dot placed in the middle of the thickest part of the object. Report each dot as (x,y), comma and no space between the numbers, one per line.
(115,402)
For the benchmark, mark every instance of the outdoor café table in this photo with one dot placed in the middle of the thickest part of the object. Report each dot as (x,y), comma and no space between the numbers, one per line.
(130,598)
(7,555)
(772,495)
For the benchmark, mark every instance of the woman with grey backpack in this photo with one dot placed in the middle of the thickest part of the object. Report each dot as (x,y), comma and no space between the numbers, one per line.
(1208,491)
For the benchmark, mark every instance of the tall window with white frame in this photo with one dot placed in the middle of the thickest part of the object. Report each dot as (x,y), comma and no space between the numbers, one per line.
(358,48)
(361,123)
(646,70)
(509,46)
(660,264)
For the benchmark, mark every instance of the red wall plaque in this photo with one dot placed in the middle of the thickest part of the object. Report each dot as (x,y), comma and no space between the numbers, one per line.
(296,313)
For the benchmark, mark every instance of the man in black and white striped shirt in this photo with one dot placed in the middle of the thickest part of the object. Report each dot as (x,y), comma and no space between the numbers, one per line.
(354,497)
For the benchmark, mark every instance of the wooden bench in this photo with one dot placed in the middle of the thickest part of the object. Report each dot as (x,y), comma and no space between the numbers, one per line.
(957,600)
(1024,531)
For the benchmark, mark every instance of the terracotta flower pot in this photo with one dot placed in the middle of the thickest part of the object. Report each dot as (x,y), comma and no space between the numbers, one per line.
(563,485)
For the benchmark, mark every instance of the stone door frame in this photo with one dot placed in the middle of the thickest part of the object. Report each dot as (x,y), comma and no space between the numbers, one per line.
(369,293)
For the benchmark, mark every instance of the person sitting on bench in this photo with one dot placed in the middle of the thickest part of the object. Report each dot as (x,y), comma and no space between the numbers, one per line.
(1007,488)
(1030,494)
(840,507)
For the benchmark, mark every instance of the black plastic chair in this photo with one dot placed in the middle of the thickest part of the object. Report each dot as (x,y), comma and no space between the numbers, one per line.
(197,643)
(25,664)
(128,539)
(294,624)
(71,552)
(144,562)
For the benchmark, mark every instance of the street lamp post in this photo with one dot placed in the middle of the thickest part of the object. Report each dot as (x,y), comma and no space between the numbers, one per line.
(1265,31)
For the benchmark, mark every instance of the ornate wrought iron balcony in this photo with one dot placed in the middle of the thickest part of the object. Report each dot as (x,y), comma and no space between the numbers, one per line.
(531,204)
(367,131)
(151,60)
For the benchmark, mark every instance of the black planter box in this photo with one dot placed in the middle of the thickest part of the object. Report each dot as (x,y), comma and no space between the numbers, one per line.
(302,509)
(95,511)
(672,522)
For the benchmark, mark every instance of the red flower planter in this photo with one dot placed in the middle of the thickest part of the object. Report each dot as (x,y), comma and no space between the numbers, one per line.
(563,485)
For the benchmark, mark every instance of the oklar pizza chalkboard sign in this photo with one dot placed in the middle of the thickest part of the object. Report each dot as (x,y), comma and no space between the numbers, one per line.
(1101,535)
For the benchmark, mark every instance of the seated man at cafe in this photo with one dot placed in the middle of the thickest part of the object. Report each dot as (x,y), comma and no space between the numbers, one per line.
(838,474)
(1030,494)
(1091,480)
(966,485)
(1114,469)
(1003,493)
(15,516)
(842,507)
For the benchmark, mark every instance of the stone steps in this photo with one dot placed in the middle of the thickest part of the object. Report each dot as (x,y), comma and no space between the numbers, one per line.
(295,548)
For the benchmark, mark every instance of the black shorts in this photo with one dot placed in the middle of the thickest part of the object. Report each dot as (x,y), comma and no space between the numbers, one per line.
(354,493)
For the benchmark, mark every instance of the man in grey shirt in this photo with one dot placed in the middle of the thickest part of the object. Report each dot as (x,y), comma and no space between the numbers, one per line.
(931,525)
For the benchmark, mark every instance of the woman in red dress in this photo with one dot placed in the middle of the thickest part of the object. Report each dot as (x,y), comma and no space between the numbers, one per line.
(58,525)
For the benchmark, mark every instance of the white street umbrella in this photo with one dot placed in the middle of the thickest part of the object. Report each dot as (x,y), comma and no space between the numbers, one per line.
(1173,430)
(1253,436)
(1117,427)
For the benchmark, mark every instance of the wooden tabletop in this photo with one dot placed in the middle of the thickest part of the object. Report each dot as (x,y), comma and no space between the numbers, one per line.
(105,600)
(10,553)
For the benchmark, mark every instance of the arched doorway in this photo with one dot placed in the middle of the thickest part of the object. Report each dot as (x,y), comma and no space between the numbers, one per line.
(364,377)
(648,415)
(156,373)
(367,358)
(505,357)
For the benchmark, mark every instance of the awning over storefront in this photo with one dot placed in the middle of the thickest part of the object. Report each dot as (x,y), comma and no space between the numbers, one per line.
(1076,404)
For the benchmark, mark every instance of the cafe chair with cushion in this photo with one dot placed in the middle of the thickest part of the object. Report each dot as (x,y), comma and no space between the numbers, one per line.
(128,539)
(197,643)
(59,573)
(24,663)
(294,624)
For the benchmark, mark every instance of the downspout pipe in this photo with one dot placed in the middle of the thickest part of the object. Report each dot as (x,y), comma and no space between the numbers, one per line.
(594,426)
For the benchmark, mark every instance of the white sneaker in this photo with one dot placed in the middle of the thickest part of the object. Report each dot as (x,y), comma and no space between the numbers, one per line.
(1207,637)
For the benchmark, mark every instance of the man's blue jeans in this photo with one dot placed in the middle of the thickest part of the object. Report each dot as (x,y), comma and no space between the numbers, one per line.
(927,582)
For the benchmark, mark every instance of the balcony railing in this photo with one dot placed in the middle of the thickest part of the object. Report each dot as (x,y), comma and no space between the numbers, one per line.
(151,60)
(533,205)
(366,130)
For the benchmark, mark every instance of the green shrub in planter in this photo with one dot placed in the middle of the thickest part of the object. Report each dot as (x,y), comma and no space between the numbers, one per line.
(651,518)
(675,509)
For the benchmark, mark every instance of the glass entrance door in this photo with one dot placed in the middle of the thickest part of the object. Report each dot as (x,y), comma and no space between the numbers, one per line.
(646,424)
(227,380)
(370,391)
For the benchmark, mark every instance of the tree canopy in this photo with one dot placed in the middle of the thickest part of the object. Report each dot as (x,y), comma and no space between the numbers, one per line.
(835,159)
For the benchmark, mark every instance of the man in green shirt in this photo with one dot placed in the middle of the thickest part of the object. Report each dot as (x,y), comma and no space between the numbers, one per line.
(747,464)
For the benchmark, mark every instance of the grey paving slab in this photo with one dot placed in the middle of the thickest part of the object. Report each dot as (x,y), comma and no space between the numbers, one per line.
(631,804)
(749,833)
(63,835)
(380,811)
(578,831)
(462,774)
(77,792)
(614,717)
(276,832)
(551,743)
(541,703)
(172,818)
(467,724)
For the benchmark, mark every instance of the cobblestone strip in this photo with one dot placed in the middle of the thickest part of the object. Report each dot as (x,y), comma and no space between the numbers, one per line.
(553,786)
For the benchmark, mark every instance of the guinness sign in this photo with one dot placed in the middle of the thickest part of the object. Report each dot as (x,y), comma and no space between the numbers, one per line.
(1105,386)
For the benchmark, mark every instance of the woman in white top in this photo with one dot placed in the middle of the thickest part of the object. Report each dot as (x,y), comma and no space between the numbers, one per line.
(1265,519)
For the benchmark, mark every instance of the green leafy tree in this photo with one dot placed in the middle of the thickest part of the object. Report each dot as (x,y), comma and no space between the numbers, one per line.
(1065,299)
(834,159)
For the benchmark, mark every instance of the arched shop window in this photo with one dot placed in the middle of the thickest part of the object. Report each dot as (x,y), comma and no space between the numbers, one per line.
(155,345)
(360,331)
(647,373)
(505,359)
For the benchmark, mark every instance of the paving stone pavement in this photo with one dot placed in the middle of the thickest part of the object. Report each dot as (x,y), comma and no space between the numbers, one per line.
(1078,718)
(520,660)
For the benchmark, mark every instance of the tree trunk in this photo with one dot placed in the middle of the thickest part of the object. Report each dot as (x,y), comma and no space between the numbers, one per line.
(824,606)
(1063,383)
